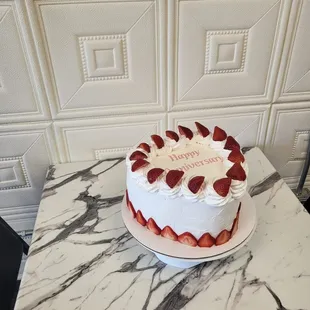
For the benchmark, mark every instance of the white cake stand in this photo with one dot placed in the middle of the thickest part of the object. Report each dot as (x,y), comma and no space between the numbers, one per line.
(179,255)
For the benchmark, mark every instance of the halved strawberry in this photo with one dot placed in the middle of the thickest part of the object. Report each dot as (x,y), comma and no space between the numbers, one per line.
(188,239)
(203,131)
(152,226)
(144,146)
(140,218)
(222,186)
(236,172)
(219,134)
(195,183)
(158,140)
(140,163)
(184,131)
(206,241)
(132,209)
(127,198)
(137,155)
(236,156)
(235,224)
(173,177)
(153,174)
(172,135)
(223,237)
(231,144)
(168,233)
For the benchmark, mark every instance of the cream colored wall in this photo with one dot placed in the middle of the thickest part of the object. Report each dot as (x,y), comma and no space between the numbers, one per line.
(84,80)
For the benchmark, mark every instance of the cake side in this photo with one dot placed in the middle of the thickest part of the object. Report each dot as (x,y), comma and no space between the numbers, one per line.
(180,214)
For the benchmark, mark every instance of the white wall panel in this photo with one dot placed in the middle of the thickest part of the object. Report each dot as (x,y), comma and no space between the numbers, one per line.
(101,57)
(246,124)
(21,93)
(80,140)
(288,137)
(227,52)
(294,77)
(26,150)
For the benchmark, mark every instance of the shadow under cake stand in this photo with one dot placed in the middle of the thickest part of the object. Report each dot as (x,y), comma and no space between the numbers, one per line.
(179,255)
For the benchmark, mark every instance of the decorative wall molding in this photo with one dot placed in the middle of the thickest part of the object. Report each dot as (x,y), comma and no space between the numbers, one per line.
(115,48)
(110,153)
(23,162)
(225,51)
(20,218)
(136,83)
(90,139)
(294,72)
(301,141)
(286,140)
(241,81)
(22,94)
(13,174)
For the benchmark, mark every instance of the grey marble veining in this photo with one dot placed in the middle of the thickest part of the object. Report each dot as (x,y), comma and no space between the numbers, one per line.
(82,257)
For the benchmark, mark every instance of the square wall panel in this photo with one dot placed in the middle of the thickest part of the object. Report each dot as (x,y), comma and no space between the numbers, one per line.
(246,124)
(80,140)
(288,138)
(226,51)
(22,96)
(26,150)
(101,57)
(294,76)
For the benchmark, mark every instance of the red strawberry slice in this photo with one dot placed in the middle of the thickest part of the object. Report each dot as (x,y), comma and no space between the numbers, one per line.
(219,134)
(195,183)
(184,131)
(173,177)
(168,233)
(152,226)
(158,140)
(154,174)
(236,157)
(188,239)
(222,186)
(140,218)
(235,224)
(206,241)
(137,155)
(172,135)
(203,131)
(132,209)
(223,237)
(127,199)
(145,147)
(236,172)
(231,144)
(140,163)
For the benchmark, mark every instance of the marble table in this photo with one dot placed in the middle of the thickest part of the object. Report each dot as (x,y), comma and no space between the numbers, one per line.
(82,257)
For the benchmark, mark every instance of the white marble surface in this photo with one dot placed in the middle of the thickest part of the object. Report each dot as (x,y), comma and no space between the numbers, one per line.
(82,257)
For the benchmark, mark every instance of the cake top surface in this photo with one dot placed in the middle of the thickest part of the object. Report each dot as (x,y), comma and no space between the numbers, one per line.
(201,166)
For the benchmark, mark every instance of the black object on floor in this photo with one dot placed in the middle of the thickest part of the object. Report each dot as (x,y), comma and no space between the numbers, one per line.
(307,205)
(12,247)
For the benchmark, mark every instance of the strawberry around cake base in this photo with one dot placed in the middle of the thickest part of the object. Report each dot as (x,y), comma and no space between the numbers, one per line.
(205,239)
(180,255)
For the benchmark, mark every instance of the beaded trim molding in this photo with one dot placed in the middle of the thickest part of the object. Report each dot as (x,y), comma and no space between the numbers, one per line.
(24,171)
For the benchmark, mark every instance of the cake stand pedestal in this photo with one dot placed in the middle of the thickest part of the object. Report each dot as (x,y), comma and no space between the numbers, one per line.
(182,256)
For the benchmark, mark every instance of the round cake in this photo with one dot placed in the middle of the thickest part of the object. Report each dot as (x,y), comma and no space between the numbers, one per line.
(187,187)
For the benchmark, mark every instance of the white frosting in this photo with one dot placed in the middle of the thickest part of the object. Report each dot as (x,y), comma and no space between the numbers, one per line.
(182,215)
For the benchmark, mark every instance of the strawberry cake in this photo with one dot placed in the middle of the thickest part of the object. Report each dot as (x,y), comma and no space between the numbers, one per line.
(187,187)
